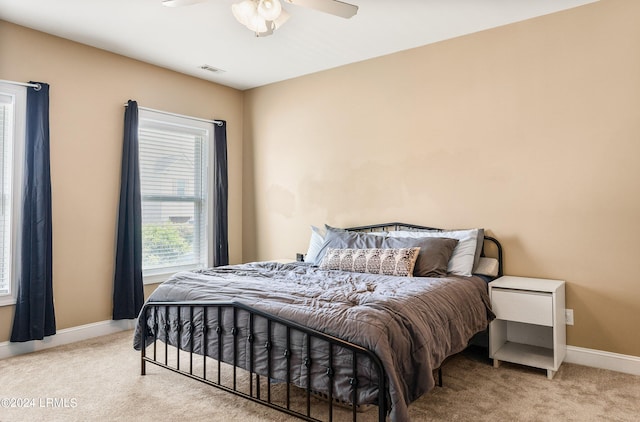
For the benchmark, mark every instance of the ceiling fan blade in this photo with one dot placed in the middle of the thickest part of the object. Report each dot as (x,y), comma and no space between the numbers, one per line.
(333,7)
(178,3)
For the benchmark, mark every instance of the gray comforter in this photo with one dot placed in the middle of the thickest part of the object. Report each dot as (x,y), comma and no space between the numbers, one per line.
(412,324)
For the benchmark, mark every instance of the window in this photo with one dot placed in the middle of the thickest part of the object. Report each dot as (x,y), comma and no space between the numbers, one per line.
(174,160)
(13,100)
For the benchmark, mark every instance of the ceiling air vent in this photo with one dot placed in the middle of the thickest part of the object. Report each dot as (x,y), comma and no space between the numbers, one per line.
(211,68)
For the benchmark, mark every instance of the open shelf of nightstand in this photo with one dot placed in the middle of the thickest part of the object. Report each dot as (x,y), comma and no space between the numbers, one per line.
(525,354)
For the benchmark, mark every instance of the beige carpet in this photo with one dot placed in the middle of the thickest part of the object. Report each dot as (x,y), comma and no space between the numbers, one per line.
(99,380)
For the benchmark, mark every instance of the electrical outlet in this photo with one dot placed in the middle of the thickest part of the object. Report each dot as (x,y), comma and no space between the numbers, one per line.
(568,316)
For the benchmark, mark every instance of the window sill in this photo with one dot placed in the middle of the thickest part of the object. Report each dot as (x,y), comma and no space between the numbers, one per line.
(7,300)
(156,278)
(161,274)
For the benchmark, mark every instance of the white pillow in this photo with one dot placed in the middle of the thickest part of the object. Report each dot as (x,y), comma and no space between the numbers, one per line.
(315,244)
(461,261)
(487,266)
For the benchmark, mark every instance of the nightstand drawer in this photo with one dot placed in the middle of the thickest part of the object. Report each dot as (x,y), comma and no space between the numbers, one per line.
(523,306)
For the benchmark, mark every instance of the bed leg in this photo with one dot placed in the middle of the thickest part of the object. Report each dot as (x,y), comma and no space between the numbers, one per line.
(143,362)
(440,377)
(143,346)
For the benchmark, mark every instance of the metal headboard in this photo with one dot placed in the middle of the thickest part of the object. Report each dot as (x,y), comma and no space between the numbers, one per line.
(415,227)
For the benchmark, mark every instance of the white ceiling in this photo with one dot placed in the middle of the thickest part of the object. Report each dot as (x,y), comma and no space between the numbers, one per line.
(183,39)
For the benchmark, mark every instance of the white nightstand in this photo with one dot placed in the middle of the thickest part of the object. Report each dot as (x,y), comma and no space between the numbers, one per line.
(529,328)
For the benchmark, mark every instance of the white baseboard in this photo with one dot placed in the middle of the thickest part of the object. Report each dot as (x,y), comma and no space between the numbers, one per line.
(604,360)
(578,355)
(66,336)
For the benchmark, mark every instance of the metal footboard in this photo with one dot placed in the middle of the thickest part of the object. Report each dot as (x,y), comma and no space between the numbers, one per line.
(179,335)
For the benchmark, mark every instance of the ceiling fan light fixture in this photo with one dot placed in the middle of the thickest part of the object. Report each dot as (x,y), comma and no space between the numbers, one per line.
(260,16)
(257,24)
(270,10)
(244,11)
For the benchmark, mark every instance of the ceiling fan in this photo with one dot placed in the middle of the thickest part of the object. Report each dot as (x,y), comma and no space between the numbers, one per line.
(265,16)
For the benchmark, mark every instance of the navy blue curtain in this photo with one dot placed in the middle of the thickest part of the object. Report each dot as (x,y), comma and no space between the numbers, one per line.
(128,292)
(34,314)
(220,235)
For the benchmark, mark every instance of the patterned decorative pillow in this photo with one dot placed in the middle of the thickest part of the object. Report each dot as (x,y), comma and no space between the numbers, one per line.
(394,261)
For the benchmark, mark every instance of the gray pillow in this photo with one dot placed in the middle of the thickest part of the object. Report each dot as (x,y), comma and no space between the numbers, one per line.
(434,255)
(342,239)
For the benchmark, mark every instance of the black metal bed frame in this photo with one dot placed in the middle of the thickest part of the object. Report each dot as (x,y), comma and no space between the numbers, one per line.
(266,350)
(254,387)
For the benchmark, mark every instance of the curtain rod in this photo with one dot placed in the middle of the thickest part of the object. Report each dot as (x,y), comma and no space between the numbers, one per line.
(217,122)
(36,86)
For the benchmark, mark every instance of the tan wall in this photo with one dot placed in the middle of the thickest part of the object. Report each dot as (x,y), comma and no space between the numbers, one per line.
(530,130)
(88,88)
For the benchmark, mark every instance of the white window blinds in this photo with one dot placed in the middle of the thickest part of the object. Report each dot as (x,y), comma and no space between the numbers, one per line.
(13,100)
(6,184)
(173,156)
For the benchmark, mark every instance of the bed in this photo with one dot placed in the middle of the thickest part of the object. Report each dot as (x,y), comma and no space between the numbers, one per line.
(286,334)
